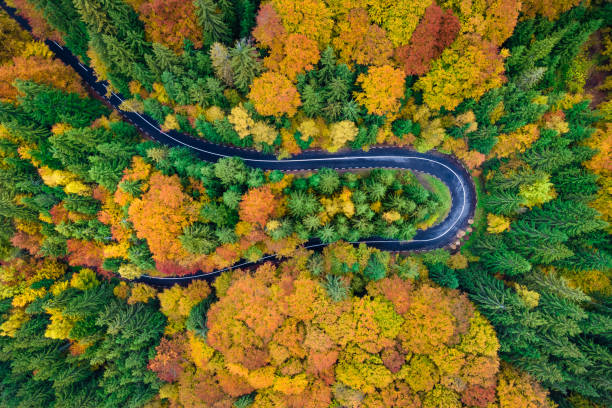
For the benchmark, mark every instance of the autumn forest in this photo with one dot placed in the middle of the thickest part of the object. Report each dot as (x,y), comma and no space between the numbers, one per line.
(305,203)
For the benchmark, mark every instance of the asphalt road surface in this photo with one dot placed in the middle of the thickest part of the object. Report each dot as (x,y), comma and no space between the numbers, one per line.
(449,170)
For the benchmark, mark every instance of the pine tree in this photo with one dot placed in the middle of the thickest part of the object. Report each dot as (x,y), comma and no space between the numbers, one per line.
(336,288)
(506,262)
(198,239)
(244,64)
(375,269)
(443,275)
(302,204)
(212,22)
(312,101)
(504,203)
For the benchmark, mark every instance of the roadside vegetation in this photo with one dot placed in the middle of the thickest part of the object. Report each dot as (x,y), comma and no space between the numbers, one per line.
(518,316)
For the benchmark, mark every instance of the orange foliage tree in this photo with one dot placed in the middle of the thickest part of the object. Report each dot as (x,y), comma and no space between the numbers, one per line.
(269,31)
(37,69)
(300,54)
(360,42)
(160,215)
(278,332)
(273,94)
(169,22)
(601,165)
(257,205)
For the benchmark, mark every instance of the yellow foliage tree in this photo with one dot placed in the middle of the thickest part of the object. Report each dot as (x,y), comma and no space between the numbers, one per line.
(382,89)
(17,318)
(399,19)
(130,271)
(529,297)
(291,385)
(311,18)
(550,9)
(539,192)
(361,370)
(263,133)
(176,303)
(516,389)
(60,325)
(141,293)
(420,373)
(241,120)
(441,397)
(466,69)
(517,141)
(480,338)
(391,216)
(36,49)
(13,38)
(341,133)
(84,280)
(497,224)
(77,187)
(170,123)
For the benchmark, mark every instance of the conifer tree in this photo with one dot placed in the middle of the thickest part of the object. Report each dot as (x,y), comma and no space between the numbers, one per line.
(212,22)
(245,64)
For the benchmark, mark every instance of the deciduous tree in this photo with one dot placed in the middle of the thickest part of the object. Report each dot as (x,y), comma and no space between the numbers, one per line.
(360,42)
(467,69)
(273,94)
(382,89)
(436,31)
(257,205)
(160,215)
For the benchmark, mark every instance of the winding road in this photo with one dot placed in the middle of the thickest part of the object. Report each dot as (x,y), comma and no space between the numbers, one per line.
(449,170)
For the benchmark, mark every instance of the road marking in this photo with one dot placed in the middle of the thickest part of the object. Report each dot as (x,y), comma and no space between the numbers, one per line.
(328,159)
(352,158)
(294,161)
(83,66)
(367,158)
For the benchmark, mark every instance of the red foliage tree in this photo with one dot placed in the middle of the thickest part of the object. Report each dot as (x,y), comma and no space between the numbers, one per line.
(436,31)
(23,240)
(478,396)
(269,31)
(168,360)
(84,253)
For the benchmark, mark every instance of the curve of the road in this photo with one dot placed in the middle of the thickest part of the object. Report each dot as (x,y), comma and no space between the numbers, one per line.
(449,170)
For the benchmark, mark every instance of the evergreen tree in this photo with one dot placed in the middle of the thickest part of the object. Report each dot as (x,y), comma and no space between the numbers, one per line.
(506,262)
(443,275)
(375,269)
(245,64)
(62,16)
(211,20)
(505,203)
